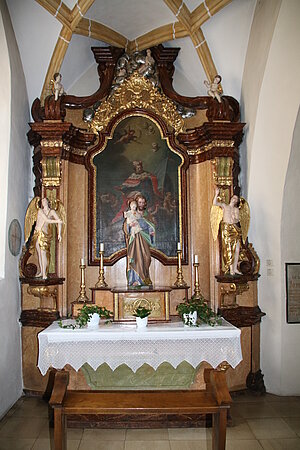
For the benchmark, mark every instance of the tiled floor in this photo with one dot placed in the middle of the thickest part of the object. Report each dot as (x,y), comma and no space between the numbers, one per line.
(268,422)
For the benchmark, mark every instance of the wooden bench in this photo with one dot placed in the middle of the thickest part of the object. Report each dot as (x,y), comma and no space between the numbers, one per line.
(214,400)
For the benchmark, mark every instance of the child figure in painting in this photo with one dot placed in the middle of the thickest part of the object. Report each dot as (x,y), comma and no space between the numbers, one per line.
(132,217)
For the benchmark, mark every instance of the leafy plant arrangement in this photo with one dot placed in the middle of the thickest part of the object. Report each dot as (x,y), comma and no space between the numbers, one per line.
(204,313)
(142,312)
(85,315)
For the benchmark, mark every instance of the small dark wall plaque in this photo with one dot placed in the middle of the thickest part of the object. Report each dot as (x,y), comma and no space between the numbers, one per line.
(292,273)
(14,237)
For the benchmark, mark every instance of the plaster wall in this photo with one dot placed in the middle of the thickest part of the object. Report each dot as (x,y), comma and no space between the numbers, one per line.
(17,197)
(277,110)
(264,21)
(290,252)
(5,130)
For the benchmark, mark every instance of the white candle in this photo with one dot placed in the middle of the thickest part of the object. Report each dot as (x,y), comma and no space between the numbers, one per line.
(196,260)
(101,247)
(82,262)
(178,246)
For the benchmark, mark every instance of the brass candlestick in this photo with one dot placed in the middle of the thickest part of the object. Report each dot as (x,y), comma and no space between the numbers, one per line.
(82,293)
(101,280)
(197,293)
(179,280)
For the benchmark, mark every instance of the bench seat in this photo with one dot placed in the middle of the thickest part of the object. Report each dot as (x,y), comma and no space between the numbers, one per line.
(214,400)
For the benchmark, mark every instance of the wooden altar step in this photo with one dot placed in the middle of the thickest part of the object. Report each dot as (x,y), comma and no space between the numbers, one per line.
(215,400)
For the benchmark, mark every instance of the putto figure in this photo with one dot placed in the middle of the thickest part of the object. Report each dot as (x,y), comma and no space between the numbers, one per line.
(57,87)
(214,88)
(139,236)
(40,240)
(234,221)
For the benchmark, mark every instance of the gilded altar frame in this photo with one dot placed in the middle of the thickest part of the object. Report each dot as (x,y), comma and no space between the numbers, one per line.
(163,143)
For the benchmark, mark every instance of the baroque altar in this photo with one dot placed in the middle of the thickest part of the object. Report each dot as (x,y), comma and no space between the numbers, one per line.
(92,155)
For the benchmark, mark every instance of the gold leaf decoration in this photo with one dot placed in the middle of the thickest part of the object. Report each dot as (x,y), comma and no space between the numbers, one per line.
(137,92)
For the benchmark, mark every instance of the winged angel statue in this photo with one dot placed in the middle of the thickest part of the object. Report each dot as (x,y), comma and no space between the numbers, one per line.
(234,229)
(38,233)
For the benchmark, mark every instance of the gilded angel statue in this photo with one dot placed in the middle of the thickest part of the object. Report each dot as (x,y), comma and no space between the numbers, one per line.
(40,240)
(234,221)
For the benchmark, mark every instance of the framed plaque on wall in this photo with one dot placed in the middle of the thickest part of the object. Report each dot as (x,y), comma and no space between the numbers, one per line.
(292,274)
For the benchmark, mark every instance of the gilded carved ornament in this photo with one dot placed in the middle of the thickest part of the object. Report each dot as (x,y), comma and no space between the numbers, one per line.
(43,293)
(51,171)
(131,304)
(212,144)
(51,143)
(222,170)
(137,92)
(231,292)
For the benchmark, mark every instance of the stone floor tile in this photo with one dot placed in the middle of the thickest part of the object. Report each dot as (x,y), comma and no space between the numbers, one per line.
(294,423)
(160,434)
(280,444)
(32,407)
(189,434)
(191,445)
(255,411)
(287,409)
(146,445)
(270,428)
(72,433)
(24,428)
(104,434)
(245,444)
(46,444)
(239,430)
(101,445)
(280,398)
(247,397)
(16,444)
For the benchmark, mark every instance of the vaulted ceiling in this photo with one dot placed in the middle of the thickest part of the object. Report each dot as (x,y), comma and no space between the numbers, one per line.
(56,36)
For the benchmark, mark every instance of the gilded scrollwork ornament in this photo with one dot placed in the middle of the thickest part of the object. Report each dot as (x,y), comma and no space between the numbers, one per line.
(137,92)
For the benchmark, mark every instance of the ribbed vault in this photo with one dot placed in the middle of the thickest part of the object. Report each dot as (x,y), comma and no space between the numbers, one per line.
(185,24)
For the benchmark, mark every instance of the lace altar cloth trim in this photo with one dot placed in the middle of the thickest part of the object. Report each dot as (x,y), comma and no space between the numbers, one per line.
(124,344)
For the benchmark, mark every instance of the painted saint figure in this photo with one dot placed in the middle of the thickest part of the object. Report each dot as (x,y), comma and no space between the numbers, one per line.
(140,236)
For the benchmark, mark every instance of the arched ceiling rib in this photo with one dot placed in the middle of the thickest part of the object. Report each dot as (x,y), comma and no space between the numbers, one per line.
(185,23)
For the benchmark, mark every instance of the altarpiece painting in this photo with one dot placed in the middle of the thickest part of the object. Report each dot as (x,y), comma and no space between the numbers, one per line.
(136,159)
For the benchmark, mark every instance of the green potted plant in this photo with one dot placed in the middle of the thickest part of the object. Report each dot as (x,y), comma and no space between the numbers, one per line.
(89,314)
(141,314)
(195,310)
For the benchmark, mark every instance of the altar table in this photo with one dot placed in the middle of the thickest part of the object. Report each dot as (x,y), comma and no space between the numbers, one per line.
(116,344)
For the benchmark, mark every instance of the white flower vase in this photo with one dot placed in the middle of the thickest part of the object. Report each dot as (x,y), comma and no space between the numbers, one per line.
(94,321)
(141,322)
(190,319)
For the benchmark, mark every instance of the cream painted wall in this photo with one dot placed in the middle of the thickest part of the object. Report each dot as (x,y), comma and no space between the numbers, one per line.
(264,21)
(37,32)
(290,252)
(5,131)
(17,196)
(277,110)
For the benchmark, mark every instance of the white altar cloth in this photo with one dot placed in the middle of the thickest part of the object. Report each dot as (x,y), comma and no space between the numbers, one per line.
(117,344)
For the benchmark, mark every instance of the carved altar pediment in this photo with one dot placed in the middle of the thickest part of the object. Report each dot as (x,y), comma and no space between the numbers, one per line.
(137,92)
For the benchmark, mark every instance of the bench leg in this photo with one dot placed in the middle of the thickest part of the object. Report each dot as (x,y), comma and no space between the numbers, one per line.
(60,441)
(50,384)
(219,430)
